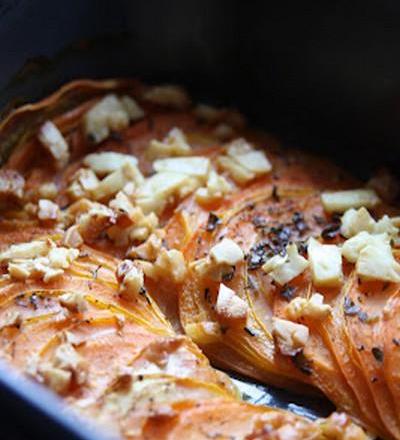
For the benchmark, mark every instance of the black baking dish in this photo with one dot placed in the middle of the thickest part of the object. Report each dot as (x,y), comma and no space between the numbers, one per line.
(325,77)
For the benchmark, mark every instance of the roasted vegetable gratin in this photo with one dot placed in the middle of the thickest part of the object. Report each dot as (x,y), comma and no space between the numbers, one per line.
(137,227)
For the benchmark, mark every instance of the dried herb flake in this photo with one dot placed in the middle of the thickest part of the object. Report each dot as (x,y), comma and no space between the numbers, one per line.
(378,354)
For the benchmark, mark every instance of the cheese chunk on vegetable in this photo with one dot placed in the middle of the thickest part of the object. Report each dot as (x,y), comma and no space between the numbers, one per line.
(107,115)
(341,201)
(355,221)
(229,305)
(155,192)
(174,144)
(36,248)
(313,308)
(376,262)
(352,247)
(216,188)
(52,139)
(192,166)
(285,269)
(226,252)
(107,162)
(326,263)
(290,337)
(243,162)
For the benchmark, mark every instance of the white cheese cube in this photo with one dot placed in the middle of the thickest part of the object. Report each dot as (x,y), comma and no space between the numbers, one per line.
(291,337)
(355,221)
(285,269)
(108,161)
(326,263)
(226,252)
(238,173)
(255,161)
(229,305)
(108,114)
(376,262)
(192,166)
(313,307)
(48,210)
(36,248)
(52,139)
(239,146)
(352,247)
(341,201)
(386,225)
(174,144)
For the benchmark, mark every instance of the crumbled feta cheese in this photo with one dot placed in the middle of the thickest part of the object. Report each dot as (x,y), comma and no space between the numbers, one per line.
(326,263)
(168,95)
(220,262)
(157,190)
(135,112)
(107,162)
(226,252)
(341,201)
(107,115)
(11,186)
(352,247)
(290,337)
(36,248)
(229,305)
(39,267)
(61,257)
(72,237)
(386,225)
(169,265)
(217,187)
(74,301)
(174,144)
(52,139)
(285,269)
(373,256)
(131,279)
(48,210)
(48,191)
(243,162)
(355,221)
(313,307)
(193,166)
(376,262)
(115,181)
(238,173)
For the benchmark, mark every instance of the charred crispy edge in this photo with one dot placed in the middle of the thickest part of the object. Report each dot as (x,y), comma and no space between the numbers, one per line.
(20,123)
